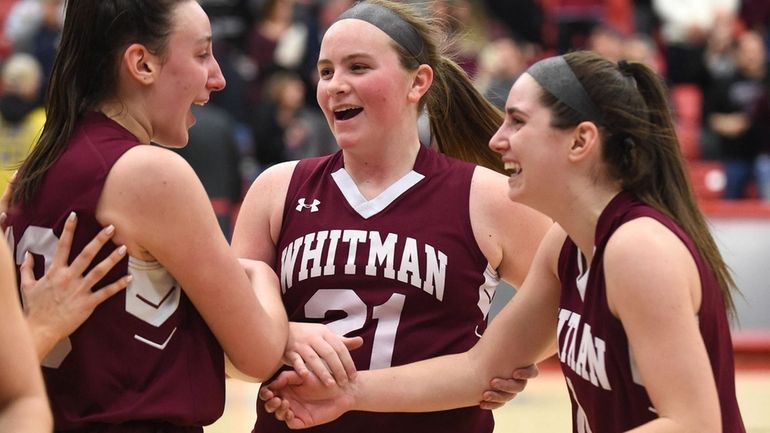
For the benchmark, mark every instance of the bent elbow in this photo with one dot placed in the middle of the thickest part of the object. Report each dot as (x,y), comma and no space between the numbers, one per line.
(261,361)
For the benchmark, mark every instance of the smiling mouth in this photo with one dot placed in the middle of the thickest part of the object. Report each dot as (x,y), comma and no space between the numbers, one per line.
(512,168)
(347,113)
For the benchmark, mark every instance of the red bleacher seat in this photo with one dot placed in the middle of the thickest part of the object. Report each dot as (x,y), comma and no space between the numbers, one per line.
(687,104)
(708,179)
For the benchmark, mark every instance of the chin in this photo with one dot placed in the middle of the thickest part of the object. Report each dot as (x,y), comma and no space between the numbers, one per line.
(172,143)
(517,196)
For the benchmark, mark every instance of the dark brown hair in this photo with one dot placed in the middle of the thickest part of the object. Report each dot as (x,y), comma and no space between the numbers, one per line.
(85,70)
(640,145)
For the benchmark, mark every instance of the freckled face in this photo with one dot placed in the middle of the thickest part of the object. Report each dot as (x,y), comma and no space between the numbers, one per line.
(187,76)
(363,87)
(528,145)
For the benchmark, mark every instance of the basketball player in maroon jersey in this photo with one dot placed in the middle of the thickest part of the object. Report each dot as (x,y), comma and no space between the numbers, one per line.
(62,299)
(629,277)
(389,241)
(150,358)
(54,305)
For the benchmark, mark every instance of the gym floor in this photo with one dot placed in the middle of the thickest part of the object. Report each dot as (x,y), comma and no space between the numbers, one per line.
(542,408)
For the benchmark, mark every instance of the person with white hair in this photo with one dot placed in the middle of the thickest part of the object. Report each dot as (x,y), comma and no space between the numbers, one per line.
(21,115)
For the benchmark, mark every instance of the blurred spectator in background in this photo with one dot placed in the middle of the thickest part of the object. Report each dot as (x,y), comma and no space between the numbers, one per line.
(466,25)
(685,28)
(644,17)
(608,42)
(639,47)
(34,27)
(230,23)
(500,64)
(276,42)
(737,112)
(756,15)
(574,21)
(284,127)
(21,115)
(212,152)
(523,19)
(5,44)
(718,57)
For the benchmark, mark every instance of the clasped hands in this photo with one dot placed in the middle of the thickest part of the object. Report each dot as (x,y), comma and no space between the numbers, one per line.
(320,387)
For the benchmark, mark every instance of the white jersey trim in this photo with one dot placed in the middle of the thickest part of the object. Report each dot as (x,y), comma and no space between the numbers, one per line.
(368,208)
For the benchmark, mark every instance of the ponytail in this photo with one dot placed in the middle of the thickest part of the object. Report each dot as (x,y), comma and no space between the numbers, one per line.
(640,146)
(670,189)
(461,119)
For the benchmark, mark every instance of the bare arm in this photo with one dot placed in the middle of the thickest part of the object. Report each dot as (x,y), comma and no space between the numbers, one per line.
(310,346)
(164,214)
(258,226)
(521,334)
(5,201)
(508,233)
(655,292)
(23,402)
(265,284)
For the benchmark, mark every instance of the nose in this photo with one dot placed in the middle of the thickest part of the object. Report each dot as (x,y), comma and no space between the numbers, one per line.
(499,142)
(216,81)
(336,85)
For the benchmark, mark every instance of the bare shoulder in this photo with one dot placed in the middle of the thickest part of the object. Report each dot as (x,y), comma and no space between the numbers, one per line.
(269,188)
(646,264)
(642,242)
(148,190)
(275,177)
(260,217)
(507,232)
(146,167)
(487,182)
(150,177)
(489,192)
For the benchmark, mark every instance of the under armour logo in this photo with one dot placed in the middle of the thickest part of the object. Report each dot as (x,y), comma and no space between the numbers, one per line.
(313,206)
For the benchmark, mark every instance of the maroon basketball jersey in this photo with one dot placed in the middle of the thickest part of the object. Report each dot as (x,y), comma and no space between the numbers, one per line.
(402,270)
(607,393)
(145,355)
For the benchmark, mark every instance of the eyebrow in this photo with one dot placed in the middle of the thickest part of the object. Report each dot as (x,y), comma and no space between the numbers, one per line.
(347,58)
(204,40)
(510,111)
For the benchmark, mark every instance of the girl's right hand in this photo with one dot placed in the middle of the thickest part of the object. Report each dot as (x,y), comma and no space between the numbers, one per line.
(59,302)
(313,347)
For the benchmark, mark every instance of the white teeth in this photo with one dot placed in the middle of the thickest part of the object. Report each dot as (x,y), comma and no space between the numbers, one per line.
(513,167)
(345,108)
(200,103)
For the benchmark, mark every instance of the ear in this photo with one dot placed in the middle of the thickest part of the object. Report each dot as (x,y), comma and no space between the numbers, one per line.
(423,78)
(585,141)
(141,63)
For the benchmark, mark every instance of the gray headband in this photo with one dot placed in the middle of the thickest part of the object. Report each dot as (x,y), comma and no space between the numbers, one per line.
(555,75)
(389,22)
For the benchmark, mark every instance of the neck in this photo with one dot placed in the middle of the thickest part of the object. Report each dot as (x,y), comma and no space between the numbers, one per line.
(124,116)
(373,173)
(580,214)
